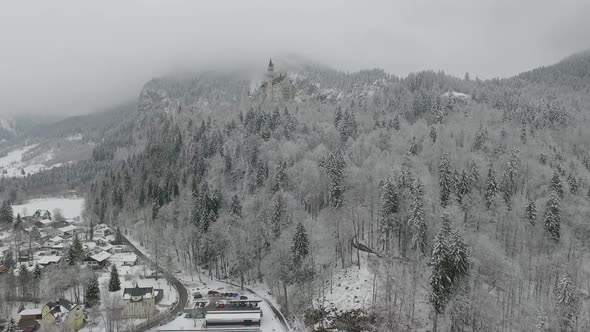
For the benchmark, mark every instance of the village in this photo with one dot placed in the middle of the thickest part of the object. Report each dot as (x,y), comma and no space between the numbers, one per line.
(42,243)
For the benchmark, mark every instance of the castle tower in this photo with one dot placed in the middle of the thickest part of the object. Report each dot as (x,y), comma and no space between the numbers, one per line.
(269,78)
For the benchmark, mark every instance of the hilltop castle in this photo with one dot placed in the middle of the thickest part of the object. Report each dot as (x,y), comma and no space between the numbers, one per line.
(277,88)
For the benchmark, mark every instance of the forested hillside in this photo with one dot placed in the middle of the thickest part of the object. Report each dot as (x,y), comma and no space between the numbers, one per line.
(475,193)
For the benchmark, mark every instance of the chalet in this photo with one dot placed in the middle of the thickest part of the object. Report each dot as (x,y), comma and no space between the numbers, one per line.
(41,214)
(43,223)
(63,312)
(67,231)
(97,259)
(140,302)
(101,230)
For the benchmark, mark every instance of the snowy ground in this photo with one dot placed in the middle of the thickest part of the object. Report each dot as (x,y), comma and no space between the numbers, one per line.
(12,163)
(70,207)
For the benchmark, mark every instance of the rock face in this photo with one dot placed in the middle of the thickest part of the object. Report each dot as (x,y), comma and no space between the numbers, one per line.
(153,97)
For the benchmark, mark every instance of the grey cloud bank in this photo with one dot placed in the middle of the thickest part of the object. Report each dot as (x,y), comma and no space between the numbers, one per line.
(75,56)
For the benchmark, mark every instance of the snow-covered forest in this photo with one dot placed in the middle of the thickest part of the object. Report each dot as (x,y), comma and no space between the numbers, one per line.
(426,202)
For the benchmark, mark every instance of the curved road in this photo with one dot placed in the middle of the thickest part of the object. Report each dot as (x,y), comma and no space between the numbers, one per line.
(178,307)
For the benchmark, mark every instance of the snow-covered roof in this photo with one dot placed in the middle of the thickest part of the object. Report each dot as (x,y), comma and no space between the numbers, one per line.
(106,247)
(100,256)
(31,311)
(46,221)
(101,227)
(44,260)
(67,228)
(122,257)
(56,239)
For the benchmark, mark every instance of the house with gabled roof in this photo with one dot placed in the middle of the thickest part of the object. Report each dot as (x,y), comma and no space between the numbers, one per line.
(63,312)
(140,302)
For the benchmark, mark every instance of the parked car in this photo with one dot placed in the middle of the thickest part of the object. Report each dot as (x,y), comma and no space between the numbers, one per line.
(197,295)
(243,297)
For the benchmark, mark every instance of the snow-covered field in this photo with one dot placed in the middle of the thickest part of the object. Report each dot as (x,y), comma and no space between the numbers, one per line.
(70,207)
(12,164)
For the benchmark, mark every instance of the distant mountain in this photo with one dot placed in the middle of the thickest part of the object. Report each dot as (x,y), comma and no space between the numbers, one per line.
(573,71)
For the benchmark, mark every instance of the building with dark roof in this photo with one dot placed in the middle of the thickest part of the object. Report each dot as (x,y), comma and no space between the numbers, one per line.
(140,302)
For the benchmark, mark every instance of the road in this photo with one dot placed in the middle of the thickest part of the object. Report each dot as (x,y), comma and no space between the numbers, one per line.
(178,307)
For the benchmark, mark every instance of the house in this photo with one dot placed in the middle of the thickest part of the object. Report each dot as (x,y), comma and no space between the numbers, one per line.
(125,259)
(67,231)
(140,302)
(63,312)
(97,259)
(48,260)
(43,223)
(101,230)
(41,214)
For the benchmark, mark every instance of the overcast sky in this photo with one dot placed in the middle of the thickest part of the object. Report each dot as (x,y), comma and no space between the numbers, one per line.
(78,56)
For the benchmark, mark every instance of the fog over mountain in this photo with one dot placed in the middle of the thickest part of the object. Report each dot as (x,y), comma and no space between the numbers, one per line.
(69,57)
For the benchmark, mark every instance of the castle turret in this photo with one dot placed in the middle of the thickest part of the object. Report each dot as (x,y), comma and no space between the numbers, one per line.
(271,68)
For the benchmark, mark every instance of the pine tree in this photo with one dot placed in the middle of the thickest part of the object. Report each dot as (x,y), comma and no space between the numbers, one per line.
(474,174)
(300,245)
(396,123)
(480,138)
(413,150)
(445,180)
(24,278)
(491,188)
(531,212)
(553,217)
(389,202)
(337,117)
(280,178)
(114,282)
(37,272)
(235,208)
(417,218)
(75,252)
(449,262)
(118,236)
(433,134)
(566,302)
(523,134)
(277,215)
(556,184)
(92,292)
(334,165)
(586,160)
(463,185)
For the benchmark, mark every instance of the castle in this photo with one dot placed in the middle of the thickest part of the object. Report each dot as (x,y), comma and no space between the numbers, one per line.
(277,88)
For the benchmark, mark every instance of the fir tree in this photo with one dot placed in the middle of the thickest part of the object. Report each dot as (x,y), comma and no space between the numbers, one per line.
(474,174)
(334,165)
(523,134)
(553,217)
(417,218)
(92,292)
(235,208)
(24,278)
(566,302)
(389,203)
(586,160)
(280,178)
(114,282)
(480,138)
(463,185)
(556,184)
(413,150)
(491,187)
(396,123)
(531,212)
(337,117)
(277,215)
(445,180)
(433,134)
(118,236)
(37,272)
(300,245)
